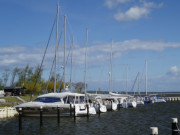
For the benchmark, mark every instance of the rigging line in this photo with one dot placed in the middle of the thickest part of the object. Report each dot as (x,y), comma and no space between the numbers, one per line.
(141,78)
(70,26)
(53,64)
(71,64)
(63,72)
(102,71)
(50,75)
(134,83)
(42,60)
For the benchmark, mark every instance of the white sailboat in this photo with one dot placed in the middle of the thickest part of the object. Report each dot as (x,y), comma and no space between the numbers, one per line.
(49,102)
(139,100)
(110,101)
(97,104)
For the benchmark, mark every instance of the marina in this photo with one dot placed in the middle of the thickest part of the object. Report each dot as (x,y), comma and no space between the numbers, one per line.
(89,68)
(125,121)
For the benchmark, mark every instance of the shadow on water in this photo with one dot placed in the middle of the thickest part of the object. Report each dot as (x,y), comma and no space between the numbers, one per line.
(131,121)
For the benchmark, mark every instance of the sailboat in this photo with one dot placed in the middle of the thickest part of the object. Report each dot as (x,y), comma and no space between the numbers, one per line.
(139,99)
(97,104)
(109,100)
(147,99)
(65,100)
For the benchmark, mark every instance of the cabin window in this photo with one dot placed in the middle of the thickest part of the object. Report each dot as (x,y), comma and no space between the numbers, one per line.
(81,99)
(65,99)
(71,99)
(48,99)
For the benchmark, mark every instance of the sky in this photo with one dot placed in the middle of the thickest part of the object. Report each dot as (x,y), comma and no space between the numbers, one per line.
(138,30)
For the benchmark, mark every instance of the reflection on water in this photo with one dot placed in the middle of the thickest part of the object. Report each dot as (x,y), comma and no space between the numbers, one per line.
(131,121)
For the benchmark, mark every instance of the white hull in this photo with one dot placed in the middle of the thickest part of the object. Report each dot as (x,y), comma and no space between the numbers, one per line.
(124,105)
(102,108)
(112,106)
(132,104)
(50,102)
(140,102)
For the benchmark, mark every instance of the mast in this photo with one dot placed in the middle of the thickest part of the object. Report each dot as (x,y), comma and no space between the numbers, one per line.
(127,79)
(146,79)
(64,53)
(71,63)
(138,83)
(56,48)
(110,74)
(85,60)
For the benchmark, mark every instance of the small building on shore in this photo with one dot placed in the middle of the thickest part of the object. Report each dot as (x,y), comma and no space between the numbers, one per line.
(14,91)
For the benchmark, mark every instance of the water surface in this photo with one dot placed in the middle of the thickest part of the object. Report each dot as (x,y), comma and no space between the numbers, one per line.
(130,121)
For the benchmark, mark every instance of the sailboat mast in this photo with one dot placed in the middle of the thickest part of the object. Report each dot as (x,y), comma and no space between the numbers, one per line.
(138,83)
(85,60)
(146,79)
(64,53)
(56,48)
(71,62)
(127,79)
(111,68)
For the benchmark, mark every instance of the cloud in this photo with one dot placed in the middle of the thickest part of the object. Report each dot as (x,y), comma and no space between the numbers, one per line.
(98,52)
(11,49)
(166,82)
(174,72)
(136,12)
(113,3)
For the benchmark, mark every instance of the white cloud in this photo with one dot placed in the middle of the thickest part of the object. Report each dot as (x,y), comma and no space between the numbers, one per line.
(96,53)
(113,3)
(174,72)
(11,49)
(166,82)
(136,12)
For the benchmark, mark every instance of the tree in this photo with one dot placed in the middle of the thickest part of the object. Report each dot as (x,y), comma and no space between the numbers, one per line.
(99,91)
(1,84)
(79,86)
(30,85)
(6,76)
(14,73)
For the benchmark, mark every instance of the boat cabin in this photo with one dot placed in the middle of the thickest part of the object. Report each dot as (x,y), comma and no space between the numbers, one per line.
(65,97)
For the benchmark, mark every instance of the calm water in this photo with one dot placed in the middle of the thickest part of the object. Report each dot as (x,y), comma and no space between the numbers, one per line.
(131,121)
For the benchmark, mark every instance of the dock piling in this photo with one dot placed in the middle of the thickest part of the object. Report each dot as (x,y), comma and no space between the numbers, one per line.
(41,116)
(111,105)
(87,111)
(175,130)
(20,119)
(70,109)
(154,131)
(58,114)
(74,112)
(99,109)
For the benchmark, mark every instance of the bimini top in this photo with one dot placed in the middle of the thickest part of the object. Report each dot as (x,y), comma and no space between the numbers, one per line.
(61,95)
(120,95)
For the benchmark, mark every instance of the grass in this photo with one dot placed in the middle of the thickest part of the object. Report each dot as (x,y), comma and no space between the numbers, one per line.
(28,96)
(11,101)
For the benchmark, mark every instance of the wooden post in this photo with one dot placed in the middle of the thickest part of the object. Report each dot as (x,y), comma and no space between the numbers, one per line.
(74,112)
(175,130)
(20,119)
(99,109)
(111,105)
(118,106)
(41,116)
(154,131)
(87,111)
(70,109)
(58,114)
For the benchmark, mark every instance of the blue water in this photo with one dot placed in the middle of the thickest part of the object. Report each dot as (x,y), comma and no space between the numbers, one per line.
(130,121)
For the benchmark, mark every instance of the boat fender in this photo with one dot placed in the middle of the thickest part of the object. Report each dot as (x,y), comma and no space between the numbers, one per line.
(85,106)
